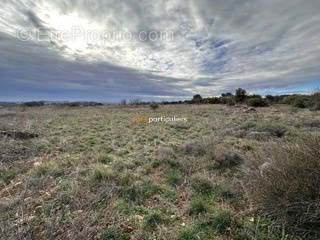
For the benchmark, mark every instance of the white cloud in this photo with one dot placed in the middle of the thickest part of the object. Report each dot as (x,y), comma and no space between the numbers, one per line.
(217,45)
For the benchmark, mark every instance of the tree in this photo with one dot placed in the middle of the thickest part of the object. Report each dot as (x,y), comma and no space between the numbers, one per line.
(196,98)
(241,95)
(154,106)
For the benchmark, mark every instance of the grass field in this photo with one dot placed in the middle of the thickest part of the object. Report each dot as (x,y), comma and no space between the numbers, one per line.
(93,173)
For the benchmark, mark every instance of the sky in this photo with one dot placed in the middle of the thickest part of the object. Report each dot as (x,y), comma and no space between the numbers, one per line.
(108,50)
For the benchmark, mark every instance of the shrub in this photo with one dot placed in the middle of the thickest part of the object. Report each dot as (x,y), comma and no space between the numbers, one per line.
(257,102)
(283,182)
(165,153)
(213,100)
(195,148)
(230,102)
(225,159)
(154,106)
(276,130)
(299,103)
(288,99)
(271,99)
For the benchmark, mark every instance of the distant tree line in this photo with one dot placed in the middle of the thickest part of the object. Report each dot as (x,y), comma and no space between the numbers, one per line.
(68,104)
(240,96)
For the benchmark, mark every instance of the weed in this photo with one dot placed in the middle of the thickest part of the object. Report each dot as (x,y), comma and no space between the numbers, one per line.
(8,174)
(198,206)
(114,233)
(174,177)
(202,184)
(153,219)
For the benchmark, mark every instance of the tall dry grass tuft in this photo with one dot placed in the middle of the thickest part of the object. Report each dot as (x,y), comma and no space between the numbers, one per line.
(283,182)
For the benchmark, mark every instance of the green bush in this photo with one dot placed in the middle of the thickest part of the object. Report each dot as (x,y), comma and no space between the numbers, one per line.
(299,103)
(257,102)
(154,106)
(283,182)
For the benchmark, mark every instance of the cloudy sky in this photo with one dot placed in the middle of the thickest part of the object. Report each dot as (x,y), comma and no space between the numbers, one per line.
(107,50)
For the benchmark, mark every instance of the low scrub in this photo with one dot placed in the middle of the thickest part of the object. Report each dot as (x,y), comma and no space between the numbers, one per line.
(154,106)
(283,183)
(201,184)
(275,129)
(257,102)
(225,159)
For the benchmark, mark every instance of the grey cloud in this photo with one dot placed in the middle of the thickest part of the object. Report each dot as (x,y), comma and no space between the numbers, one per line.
(217,45)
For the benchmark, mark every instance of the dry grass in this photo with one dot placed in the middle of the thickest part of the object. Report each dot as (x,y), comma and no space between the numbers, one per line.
(94,174)
(283,182)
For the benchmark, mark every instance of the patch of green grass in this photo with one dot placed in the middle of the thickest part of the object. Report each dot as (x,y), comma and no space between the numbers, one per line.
(114,233)
(100,173)
(198,206)
(195,232)
(221,220)
(174,177)
(224,192)
(48,168)
(126,178)
(138,191)
(8,174)
(153,220)
(168,192)
(170,162)
(189,233)
(104,159)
